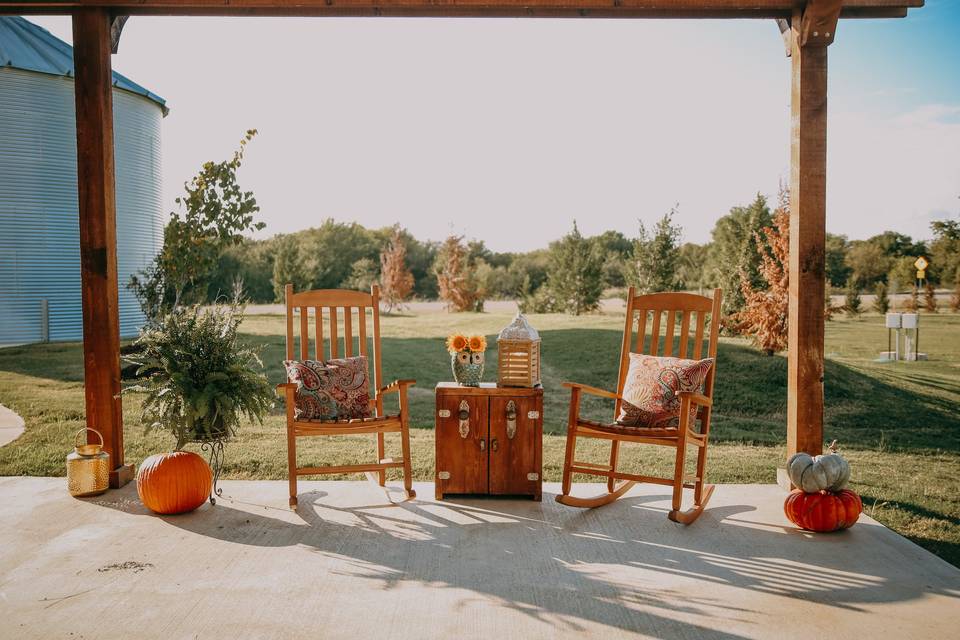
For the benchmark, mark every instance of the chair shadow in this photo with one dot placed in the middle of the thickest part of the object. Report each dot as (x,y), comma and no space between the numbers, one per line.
(578,563)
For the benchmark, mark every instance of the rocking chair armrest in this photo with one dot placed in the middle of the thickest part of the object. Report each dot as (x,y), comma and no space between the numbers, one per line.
(284,387)
(603,393)
(695,398)
(396,386)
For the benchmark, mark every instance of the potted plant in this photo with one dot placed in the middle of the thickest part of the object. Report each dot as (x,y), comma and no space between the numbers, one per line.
(200,381)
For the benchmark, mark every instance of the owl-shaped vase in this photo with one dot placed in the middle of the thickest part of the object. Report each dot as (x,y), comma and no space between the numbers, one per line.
(467,368)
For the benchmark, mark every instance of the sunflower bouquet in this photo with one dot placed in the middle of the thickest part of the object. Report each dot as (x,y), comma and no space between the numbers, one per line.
(466,358)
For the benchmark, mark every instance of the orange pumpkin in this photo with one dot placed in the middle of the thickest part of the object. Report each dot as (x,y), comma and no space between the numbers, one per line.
(823,511)
(174,482)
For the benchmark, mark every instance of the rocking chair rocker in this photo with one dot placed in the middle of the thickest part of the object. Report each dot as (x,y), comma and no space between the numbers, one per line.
(326,302)
(688,308)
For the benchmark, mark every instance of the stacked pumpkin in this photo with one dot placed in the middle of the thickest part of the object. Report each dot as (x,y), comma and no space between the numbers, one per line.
(822,502)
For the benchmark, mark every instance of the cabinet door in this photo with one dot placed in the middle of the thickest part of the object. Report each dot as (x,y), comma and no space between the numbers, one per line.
(462,460)
(514,450)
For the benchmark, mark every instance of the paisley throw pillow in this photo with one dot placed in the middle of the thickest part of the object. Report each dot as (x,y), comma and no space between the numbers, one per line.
(650,393)
(330,390)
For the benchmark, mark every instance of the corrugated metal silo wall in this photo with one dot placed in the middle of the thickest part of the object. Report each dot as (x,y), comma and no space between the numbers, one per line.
(39,241)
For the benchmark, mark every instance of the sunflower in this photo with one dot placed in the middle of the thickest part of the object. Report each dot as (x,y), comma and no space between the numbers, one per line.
(456,343)
(478,343)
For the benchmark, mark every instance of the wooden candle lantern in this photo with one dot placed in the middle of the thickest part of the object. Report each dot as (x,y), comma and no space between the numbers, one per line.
(518,359)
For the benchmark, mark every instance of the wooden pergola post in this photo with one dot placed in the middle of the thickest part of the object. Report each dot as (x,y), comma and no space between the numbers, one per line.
(93,88)
(811,31)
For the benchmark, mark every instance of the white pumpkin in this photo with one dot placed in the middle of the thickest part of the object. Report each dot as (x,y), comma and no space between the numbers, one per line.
(829,472)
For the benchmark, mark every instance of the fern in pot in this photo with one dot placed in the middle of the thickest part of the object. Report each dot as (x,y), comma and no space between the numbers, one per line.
(200,382)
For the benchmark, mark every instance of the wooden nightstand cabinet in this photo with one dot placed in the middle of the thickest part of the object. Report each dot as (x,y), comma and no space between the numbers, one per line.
(489,440)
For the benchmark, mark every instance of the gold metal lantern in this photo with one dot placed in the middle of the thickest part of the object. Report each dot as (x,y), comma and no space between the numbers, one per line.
(88,467)
(518,355)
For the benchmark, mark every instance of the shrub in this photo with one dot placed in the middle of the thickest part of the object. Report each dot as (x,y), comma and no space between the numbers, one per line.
(882,301)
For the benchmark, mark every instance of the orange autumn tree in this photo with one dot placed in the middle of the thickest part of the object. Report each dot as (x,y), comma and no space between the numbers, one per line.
(454,279)
(396,281)
(764,316)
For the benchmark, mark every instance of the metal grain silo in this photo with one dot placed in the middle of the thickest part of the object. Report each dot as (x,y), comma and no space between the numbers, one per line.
(39,232)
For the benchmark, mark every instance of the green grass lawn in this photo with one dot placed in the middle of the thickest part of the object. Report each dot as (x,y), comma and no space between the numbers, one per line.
(897,422)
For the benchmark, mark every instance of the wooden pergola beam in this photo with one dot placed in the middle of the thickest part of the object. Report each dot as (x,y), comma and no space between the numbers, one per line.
(811,31)
(462,8)
(93,89)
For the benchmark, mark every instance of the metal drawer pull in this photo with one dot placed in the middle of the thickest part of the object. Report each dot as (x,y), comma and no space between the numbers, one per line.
(464,419)
(444,413)
(483,445)
(494,445)
(443,475)
(533,415)
(511,420)
(533,477)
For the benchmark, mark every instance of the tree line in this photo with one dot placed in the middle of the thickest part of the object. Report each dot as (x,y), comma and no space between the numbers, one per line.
(207,254)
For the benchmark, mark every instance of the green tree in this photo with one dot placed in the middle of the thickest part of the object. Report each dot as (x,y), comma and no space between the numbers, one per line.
(363,274)
(881,300)
(575,277)
(691,265)
(734,249)
(211,216)
(332,248)
(251,263)
(616,250)
(852,301)
(868,262)
(289,267)
(838,273)
(902,272)
(945,251)
(654,264)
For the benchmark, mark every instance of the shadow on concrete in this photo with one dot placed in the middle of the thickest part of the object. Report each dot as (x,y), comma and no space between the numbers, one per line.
(565,566)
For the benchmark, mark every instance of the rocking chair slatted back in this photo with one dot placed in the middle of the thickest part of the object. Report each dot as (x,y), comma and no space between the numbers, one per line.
(702,312)
(339,308)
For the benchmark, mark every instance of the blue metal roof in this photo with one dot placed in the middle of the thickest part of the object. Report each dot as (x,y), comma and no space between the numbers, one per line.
(24,45)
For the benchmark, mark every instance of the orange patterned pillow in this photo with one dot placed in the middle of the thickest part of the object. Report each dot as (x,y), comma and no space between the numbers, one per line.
(650,392)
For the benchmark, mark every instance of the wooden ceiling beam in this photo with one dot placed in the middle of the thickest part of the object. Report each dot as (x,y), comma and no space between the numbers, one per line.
(463,8)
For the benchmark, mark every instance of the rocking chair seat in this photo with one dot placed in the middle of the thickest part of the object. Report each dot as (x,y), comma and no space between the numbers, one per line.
(353,421)
(625,430)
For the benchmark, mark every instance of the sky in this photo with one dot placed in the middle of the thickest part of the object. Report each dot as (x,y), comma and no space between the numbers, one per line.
(508,130)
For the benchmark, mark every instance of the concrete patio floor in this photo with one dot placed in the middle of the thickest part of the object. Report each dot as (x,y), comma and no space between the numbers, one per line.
(349,564)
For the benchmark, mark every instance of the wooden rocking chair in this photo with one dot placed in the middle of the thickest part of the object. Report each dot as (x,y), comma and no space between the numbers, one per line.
(326,303)
(690,309)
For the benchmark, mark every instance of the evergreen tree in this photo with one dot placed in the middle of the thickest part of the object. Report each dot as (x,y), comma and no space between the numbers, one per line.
(396,281)
(575,278)
(289,267)
(734,248)
(852,301)
(655,263)
(882,302)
